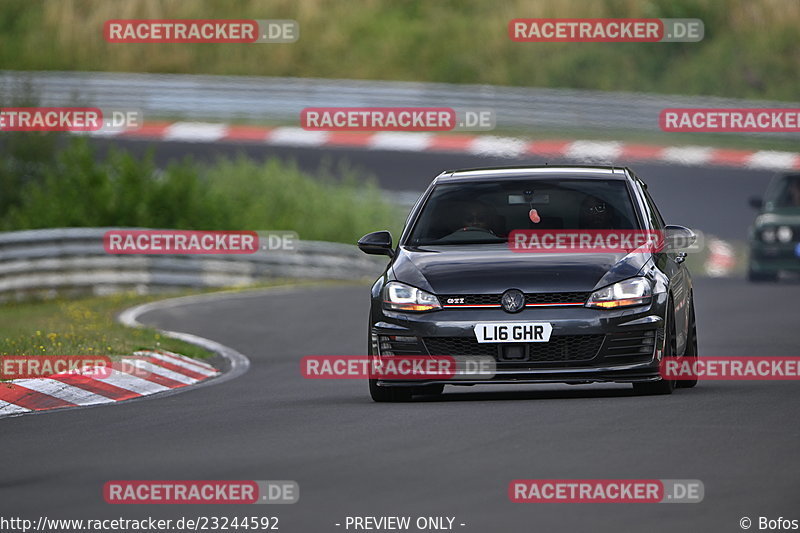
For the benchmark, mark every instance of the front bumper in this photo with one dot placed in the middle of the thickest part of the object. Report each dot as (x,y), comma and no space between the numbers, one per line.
(776,257)
(586,345)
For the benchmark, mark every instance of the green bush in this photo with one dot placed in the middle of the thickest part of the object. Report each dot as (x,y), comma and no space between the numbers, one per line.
(77,189)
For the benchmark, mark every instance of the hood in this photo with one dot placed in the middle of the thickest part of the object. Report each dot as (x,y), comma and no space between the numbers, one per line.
(788,217)
(492,269)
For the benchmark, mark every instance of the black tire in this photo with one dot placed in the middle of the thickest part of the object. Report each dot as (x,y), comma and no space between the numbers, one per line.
(755,276)
(662,386)
(389,394)
(691,347)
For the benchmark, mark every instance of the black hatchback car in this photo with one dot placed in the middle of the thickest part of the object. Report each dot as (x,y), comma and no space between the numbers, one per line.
(454,282)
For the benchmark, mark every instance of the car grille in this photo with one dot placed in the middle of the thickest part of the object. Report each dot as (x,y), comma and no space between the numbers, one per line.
(564,348)
(544,298)
(470,299)
(538,299)
(632,347)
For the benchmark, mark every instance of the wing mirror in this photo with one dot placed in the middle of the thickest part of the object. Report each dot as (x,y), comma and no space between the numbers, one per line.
(756,202)
(678,238)
(377,243)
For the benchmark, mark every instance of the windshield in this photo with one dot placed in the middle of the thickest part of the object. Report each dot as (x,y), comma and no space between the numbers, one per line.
(486,212)
(784,194)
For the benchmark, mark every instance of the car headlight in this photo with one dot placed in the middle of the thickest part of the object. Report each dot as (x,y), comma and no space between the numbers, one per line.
(768,235)
(784,234)
(401,297)
(634,291)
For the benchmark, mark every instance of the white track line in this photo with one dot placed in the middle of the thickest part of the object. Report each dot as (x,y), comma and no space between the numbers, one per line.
(408,141)
(181,363)
(126,381)
(10,408)
(594,151)
(297,137)
(158,370)
(687,155)
(489,145)
(196,362)
(773,160)
(195,132)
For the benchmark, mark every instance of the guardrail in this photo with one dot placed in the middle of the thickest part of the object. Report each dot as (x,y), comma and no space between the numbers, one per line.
(69,261)
(197,97)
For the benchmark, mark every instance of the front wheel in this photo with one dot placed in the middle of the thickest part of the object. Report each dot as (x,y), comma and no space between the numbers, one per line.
(662,386)
(653,388)
(691,348)
(389,394)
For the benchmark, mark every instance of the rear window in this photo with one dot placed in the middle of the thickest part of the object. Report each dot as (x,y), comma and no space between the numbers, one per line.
(486,212)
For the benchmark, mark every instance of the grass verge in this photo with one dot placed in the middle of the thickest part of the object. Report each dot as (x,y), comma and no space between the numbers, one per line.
(88,326)
(84,326)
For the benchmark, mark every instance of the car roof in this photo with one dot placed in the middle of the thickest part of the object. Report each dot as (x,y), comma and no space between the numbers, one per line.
(538,171)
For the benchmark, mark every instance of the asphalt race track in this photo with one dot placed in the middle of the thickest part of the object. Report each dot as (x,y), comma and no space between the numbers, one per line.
(712,199)
(452,456)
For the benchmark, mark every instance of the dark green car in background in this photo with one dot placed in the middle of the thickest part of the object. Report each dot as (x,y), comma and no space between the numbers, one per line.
(775,234)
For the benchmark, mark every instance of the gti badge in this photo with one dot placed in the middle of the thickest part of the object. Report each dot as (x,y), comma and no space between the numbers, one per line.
(512,301)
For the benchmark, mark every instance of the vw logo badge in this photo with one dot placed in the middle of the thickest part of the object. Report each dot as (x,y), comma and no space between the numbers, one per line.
(512,301)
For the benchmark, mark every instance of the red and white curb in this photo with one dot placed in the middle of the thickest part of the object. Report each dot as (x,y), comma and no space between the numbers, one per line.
(169,372)
(484,145)
(721,260)
(147,372)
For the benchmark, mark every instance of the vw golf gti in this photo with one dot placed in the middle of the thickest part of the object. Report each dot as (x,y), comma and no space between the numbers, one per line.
(462,282)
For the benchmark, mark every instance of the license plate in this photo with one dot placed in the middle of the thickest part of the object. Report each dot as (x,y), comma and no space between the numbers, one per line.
(513,332)
(797,249)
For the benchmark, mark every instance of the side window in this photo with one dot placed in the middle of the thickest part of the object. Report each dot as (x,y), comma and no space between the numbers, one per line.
(655,217)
